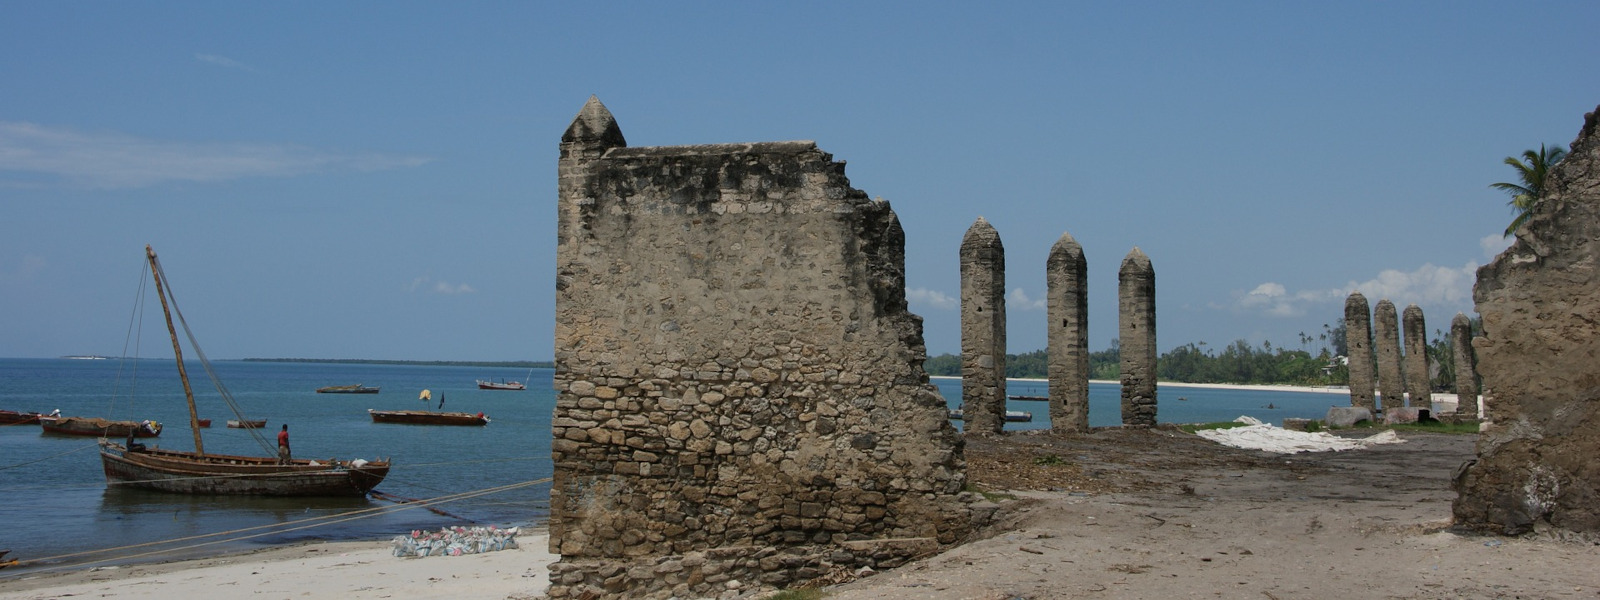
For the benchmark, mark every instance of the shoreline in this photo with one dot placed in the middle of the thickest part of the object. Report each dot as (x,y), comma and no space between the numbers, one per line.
(1215,386)
(345,569)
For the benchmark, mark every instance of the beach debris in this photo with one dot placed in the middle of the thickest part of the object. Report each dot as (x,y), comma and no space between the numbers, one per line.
(455,541)
(1256,435)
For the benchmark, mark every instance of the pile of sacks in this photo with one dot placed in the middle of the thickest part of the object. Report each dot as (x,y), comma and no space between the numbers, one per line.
(455,541)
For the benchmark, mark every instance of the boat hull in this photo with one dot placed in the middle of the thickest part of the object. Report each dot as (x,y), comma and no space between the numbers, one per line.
(97,427)
(501,385)
(421,417)
(189,473)
(233,424)
(11,417)
(348,389)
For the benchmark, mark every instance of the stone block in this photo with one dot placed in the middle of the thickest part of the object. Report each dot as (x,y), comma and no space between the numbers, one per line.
(1346,416)
(1403,415)
(1293,424)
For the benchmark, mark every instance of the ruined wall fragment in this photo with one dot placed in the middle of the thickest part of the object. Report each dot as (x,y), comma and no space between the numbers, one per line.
(1540,303)
(983,329)
(738,378)
(1136,328)
(1067,313)
(1358,340)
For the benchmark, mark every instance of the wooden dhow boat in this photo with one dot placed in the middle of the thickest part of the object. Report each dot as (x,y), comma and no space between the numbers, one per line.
(427,417)
(11,417)
(348,389)
(201,473)
(98,427)
(484,384)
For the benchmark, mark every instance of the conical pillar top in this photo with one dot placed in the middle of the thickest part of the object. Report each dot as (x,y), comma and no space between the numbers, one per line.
(1066,245)
(594,126)
(1136,260)
(981,235)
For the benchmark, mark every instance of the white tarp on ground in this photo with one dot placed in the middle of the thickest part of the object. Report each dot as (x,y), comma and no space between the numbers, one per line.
(1261,436)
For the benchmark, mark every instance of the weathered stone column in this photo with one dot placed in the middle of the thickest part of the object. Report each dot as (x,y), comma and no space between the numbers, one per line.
(1358,341)
(1418,381)
(1466,367)
(1136,308)
(1067,279)
(983,329)
(1391,381)
(1538,354)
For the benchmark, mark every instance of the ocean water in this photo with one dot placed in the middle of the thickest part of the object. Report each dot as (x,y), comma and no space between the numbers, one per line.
(1175,403)
(54,500)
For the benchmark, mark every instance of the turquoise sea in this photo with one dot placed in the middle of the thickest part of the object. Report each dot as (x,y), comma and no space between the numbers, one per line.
(54,501)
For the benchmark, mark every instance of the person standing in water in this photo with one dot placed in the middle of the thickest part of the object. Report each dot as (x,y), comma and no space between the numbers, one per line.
(283,445)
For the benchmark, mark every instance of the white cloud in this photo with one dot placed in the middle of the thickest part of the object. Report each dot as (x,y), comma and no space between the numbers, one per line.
(1428,285)
(1275,300)
(931,298)
(114,160)
(1019,300)
(1494,243)
(440,287)
(223,61)
(447,288)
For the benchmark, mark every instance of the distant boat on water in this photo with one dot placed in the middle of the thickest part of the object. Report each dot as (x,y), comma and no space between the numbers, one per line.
(1014,416)
(424,417)
(11,417)
(247,423)
(348,389)
(98,427)
(501,385)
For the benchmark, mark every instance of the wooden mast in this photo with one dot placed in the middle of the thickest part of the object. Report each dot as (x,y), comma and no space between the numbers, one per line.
(177,351)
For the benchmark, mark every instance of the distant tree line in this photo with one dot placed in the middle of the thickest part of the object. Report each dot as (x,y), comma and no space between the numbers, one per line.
(1239,362)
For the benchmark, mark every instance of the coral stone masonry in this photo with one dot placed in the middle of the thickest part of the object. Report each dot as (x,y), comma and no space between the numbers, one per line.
(740,393)
(1539,356)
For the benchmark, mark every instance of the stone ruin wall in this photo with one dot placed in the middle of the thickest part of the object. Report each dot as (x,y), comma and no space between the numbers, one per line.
(1538,356)
(740,393)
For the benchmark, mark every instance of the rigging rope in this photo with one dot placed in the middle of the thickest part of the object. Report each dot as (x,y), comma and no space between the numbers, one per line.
(227,397)
(80,449)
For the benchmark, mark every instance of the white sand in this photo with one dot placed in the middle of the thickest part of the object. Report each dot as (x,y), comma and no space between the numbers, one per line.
(323,570)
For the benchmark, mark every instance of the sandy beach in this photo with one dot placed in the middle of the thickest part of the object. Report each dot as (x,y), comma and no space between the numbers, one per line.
(318,570)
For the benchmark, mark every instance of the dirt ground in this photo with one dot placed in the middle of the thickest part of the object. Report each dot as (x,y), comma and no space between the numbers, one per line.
(1164,514)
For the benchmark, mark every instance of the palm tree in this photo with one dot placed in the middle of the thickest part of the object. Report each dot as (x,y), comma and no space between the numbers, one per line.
(1532,170)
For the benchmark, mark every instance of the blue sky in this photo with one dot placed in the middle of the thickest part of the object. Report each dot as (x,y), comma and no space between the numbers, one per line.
(377,180)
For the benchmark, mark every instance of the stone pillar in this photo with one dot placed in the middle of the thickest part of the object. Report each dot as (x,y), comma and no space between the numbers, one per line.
(1067,279)
(983,329)
(1358,341)
(1391,382)
(1419,386)
(1136,308)
(1466,367)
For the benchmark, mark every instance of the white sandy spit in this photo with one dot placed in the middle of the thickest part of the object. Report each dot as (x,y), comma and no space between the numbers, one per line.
(1261,436)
